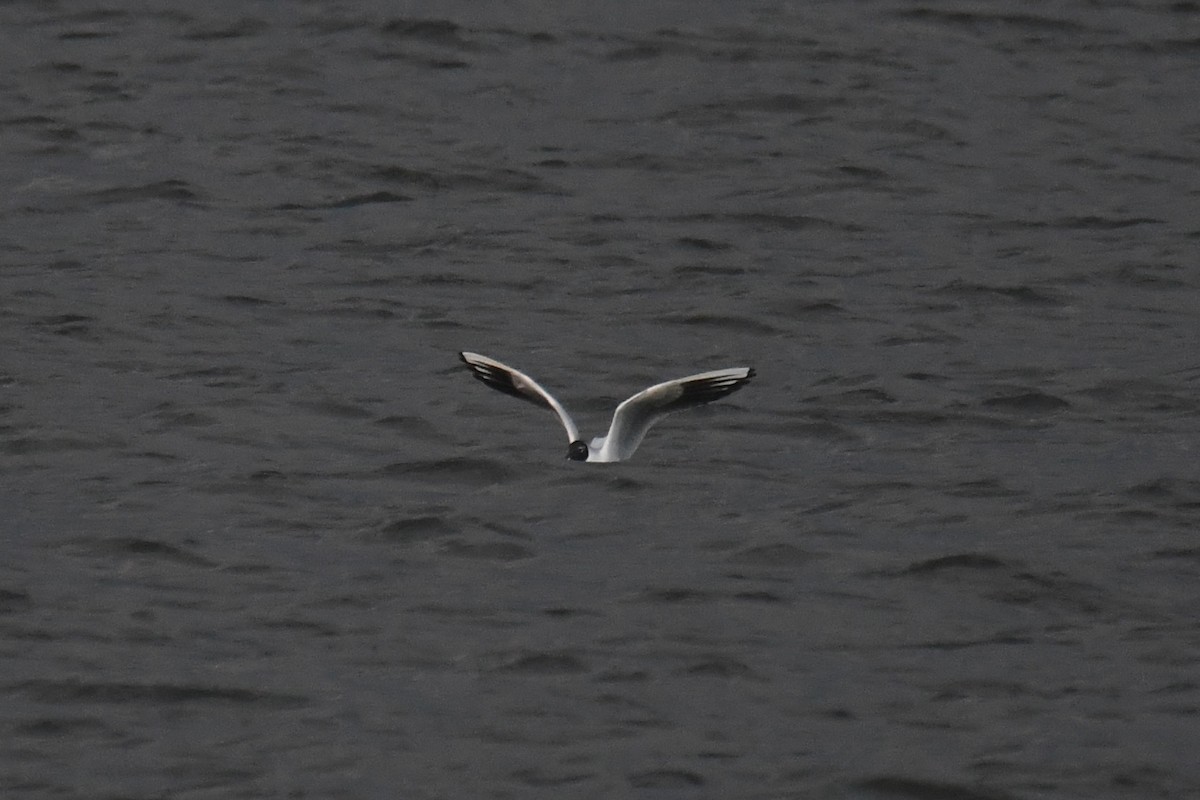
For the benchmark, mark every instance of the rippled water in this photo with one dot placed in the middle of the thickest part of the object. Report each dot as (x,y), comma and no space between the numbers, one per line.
(265,536)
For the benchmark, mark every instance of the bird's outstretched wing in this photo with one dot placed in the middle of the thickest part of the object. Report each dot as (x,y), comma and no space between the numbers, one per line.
(638,414)
(505,379)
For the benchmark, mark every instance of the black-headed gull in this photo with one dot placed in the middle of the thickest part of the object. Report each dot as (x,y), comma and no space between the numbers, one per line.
(633,417)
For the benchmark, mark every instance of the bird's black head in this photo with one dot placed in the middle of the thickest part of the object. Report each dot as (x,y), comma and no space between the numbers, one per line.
(577,451)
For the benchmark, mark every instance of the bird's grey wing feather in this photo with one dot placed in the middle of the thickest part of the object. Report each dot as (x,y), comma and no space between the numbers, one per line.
(504,378)
(635,416)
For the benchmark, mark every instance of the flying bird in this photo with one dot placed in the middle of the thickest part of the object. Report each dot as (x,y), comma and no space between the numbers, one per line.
(632,418)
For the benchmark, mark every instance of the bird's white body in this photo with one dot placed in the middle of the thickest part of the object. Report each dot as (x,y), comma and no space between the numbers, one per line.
(632,419)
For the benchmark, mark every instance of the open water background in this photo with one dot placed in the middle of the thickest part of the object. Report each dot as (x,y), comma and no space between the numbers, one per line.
(264,537)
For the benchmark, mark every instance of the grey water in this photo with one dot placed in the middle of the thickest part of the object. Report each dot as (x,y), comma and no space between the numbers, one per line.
(264,536)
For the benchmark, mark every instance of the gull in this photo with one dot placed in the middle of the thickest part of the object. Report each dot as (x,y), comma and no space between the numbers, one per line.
(632,418)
